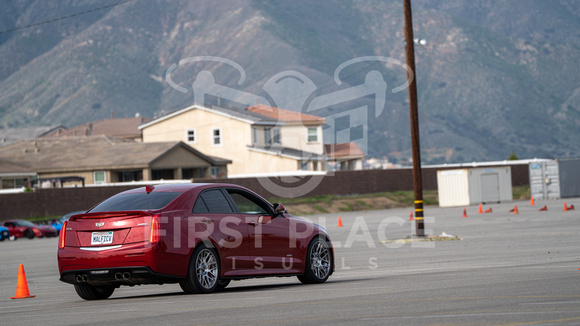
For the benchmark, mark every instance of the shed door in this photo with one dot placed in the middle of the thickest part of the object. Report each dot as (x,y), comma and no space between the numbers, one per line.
(490,188)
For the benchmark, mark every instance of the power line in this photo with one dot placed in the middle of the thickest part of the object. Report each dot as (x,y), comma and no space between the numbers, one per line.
(64,17)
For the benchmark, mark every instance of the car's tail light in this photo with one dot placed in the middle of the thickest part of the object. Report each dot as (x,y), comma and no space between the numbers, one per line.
(155,235)
(62,236)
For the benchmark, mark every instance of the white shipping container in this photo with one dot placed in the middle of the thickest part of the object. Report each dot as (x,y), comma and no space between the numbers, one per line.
(465,187)
(545,180)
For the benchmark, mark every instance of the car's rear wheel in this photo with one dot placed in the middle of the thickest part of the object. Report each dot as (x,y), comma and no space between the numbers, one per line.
(91,292)
(204,271)
(29,233)
(318,262)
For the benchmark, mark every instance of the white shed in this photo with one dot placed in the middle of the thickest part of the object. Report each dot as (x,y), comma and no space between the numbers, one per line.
(464,187)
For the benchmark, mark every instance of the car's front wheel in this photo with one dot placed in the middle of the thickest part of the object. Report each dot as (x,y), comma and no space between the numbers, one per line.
(91,292)
(29,233)
(222,284)
(318,262)
(204,271)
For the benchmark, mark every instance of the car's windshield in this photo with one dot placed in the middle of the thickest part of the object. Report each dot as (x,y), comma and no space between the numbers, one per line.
(24,223)
(139,201)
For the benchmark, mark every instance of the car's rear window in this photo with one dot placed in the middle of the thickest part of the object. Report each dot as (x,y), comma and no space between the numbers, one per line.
(133,202)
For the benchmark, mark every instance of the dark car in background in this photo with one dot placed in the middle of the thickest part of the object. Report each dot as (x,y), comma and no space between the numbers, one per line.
(27,229)
(201,236)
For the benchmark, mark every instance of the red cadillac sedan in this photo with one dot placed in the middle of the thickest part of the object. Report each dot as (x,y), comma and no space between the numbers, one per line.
(201,236)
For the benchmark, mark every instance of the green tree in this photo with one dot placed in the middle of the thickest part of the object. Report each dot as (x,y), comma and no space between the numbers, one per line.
(513,157)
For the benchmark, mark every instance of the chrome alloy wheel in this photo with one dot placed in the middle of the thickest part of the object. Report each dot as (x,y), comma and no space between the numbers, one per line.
(320,259)
(206,268)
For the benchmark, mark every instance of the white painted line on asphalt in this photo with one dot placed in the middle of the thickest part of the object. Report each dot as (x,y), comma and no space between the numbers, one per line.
(553,302)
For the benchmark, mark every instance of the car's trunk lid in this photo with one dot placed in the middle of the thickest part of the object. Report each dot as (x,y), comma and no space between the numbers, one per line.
(108,229)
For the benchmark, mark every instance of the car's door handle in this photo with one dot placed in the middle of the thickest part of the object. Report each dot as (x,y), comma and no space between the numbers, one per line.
(252,223)
(207,220)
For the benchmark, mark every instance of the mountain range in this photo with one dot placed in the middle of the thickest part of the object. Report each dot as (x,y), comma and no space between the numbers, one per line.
(493,77)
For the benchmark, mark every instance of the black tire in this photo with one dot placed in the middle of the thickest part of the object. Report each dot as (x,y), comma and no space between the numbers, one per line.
(222,284)
(2,239)
(90,292)
(319,262)
(203,273)
(29,234)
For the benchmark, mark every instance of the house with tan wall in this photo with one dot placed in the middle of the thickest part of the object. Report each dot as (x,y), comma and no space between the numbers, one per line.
(258,140)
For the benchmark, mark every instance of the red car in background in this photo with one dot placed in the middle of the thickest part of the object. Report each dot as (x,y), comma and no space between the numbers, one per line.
(201,236)
(27,229)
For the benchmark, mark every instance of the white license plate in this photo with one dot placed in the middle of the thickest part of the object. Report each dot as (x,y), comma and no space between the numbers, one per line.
(99,238)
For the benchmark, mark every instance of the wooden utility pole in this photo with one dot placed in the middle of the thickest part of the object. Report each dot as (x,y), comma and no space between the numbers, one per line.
(413,109)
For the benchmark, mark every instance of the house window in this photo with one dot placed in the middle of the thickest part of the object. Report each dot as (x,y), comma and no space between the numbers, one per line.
(216,172)
(133,175)
(303,165)
(99,177)
(163,174)
(217,136)
(276,137)
(267,136)
(312,134)
(191,136)
(255,136)
(19,183)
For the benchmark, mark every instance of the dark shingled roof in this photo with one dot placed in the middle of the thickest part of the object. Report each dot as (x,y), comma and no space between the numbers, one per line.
(120,127)
(86,153)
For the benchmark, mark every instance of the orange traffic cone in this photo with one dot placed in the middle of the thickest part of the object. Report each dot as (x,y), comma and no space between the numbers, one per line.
(516,210)
(532,201)
(411,216)
(480,209)
(488,210)
(571,208)
(339,222)
(565,207)
(464,212)
(543,208)
(22,285)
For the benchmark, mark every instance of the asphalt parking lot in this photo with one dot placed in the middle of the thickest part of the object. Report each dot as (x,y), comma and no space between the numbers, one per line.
(507,270)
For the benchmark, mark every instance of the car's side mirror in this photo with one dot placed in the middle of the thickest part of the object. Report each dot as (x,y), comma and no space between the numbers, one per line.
(279,209)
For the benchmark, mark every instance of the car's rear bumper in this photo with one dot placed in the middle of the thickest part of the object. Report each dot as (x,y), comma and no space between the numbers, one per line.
(131,275)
